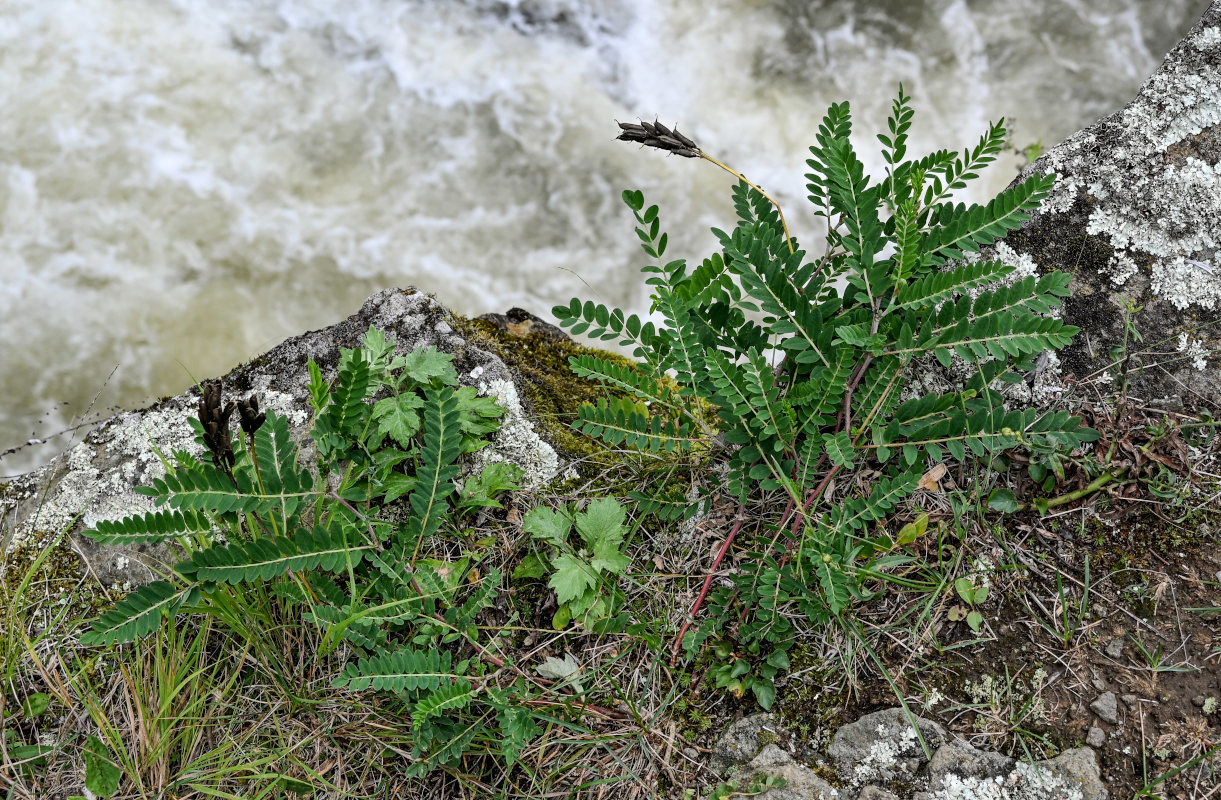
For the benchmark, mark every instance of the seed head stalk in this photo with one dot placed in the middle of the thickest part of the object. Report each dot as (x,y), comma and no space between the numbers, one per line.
(787,238)
(654,134)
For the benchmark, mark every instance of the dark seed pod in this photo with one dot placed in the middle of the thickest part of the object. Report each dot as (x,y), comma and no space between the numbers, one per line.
(248,410)
(215,420)
(655,134)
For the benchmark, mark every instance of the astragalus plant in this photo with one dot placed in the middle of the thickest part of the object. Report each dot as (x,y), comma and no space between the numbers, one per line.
(805,360)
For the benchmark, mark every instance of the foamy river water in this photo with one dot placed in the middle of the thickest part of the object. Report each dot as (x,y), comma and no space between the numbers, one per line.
(185,183)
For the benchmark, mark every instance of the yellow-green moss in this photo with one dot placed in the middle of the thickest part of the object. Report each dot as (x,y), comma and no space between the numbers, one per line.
(552,390)
(55,585)
(806,706)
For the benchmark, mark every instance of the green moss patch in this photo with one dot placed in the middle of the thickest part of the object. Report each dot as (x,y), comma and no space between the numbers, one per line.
(549,387)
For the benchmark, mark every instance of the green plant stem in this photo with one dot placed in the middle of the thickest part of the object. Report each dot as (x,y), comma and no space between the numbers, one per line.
(787,238)
(1147,791)
(854,629)
(254,458)
(1095,485)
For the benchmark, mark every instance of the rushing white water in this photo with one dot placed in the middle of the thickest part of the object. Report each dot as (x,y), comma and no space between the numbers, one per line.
(185,183)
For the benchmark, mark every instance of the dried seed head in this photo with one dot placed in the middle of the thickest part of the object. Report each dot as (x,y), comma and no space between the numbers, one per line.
(215,420)
(655,134)
(248,409)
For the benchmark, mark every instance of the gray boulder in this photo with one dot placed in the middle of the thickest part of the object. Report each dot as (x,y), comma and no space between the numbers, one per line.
(742,741)
(878,757)
(960,772)
(1136,217)
(960,760)
(800,782)
(96,479)
(882,747)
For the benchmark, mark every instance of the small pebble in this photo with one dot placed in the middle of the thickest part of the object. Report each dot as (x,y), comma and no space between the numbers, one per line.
(1106,708)
(691,753)
(1115,648)
(1095,737)
(1099,684)
(1131,701)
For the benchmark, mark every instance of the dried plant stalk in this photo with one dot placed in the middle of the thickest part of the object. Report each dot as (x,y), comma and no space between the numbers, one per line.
(655,134)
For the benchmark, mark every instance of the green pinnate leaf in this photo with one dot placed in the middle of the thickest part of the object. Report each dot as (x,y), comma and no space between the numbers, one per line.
(319,391)
(441,448)
(517,728)
(136,615)
(331,548)
(443,701)
(155,526)
(398,670)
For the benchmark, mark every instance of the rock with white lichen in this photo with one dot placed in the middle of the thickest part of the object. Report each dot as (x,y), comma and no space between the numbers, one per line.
(883,746)
(799,781)
(96,479)
(879,757)
(1136,218)
(960,760)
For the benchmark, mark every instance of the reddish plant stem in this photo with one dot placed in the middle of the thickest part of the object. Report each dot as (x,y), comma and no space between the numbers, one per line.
(846,421)
(699,601)
(602,711)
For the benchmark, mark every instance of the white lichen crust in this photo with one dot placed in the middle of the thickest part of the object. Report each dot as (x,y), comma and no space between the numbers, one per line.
(516,442)
(1025,782)
(100,475)
(1144,176)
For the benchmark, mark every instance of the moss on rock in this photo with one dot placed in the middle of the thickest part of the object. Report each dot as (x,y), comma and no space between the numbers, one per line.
(552,392)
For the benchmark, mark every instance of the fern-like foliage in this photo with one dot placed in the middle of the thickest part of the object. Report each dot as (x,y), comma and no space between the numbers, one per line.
(138,614)
(155,526)
(348,542)
(621,422)
(404,669)
(442,701)
(330,548)
(807,361)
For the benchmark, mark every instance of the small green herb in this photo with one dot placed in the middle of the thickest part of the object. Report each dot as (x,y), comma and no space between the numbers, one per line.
(350,540)
(579,575)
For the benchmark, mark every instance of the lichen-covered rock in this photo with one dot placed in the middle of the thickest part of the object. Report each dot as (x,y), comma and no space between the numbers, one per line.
(958,760)
(96,480)
(878,757)
(742,741)
(1136,217)
(800,782)
(883,746)
(969,774)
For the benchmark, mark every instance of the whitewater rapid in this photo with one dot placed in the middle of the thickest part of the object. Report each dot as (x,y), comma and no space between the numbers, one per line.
(185,183)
